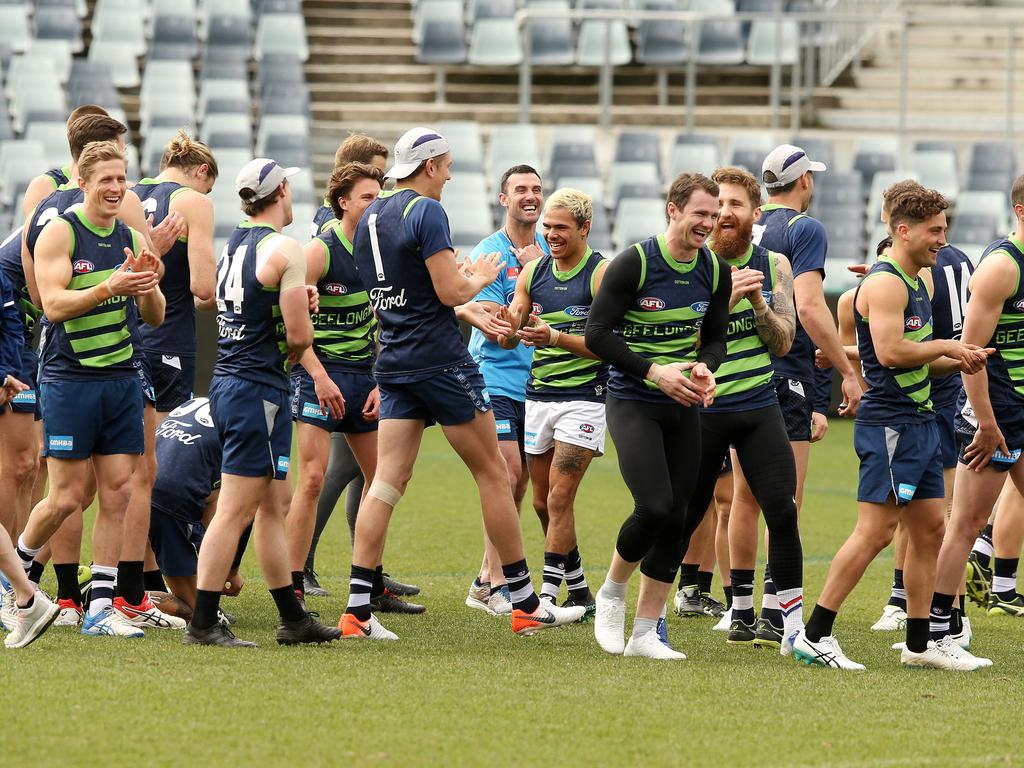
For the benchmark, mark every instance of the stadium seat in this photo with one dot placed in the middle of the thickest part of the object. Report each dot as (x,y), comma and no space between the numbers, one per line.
(224,9)
(976,228)
(937,145)
(820,149)
(288,149)
(466,187)
(270,125)
(14,28)
(122,59)
(693,158)
(163,77)
(435,10)
(595,36)
(986,203)
(125,27)
(721,42)
(591,185)
(58,52)
(278,6)
(770,40)
(54,139)
(489,9)
(883,180)
(174,37)
(51,23)
(495,43)
(662,42)
(633,174)
(227,63)
(229,31)
(465,136)
(636,219)
(638,146)
(838,190)
(281,33)
(552,42)
(512,144)
(232,95)
(749,151)
(873,155)
(227,131)
(442,42)
(937,170)
(993,166)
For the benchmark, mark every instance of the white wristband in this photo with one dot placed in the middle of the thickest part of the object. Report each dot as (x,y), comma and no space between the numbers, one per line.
(553,336)
(654,374)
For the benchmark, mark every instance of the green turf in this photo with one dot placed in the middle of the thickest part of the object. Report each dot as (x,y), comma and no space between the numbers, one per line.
(459,688)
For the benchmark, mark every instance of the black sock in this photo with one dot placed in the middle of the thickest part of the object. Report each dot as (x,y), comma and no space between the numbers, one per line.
(35,572)
(495,587)
(298,584)
(728,596)
(31,600)
(154,581)
(378,582)
(917,635)
(519,586)
(956,621)
(743,595)
(1003,570)
(67,582)
(942,606)
(204,614)
(688,575)
(287,603)
(704,581)
(960,604)
(898,594)
(130,584)
(820,623)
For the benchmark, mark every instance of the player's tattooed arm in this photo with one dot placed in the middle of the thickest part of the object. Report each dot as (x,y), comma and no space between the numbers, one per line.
(776,324)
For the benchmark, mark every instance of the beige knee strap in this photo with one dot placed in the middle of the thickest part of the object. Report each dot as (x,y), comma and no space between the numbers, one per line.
(385,492)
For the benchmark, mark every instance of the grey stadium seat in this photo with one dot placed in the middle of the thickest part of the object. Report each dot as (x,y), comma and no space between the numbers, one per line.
(638,146)
(281,33)
(57,24)
(636,219)
(766,43)
(443,42)
(662,42)
(495,43)
(721,42)
(552,41)
(591,43)
(993,166)
(489,9)
(976,228)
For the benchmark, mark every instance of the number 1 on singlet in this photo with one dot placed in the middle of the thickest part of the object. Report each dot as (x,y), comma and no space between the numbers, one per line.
(378,261)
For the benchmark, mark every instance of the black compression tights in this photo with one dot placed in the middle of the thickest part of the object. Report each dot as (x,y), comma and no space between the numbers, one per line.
(658,445)
(766,457)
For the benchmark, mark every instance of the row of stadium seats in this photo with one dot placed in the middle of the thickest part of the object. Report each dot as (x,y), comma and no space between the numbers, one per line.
(441,29)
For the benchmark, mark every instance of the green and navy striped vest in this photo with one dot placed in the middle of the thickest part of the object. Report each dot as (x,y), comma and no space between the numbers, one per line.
(663,322)
(1006,369)
(744,379)
(895,395)
(96,344)
(562,300)
(345,328)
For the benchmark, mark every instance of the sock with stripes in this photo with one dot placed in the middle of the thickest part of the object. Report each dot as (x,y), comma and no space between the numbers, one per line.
(917,635)
(575,581)
(820,624)
(287,603)
(742,595)
(939,617)
(704,579)
(26,553)
(983,546)
(520,589)
(688,575)
(154,581)
(298,584)
(35,572)
(360,582)
(104,579)
(898,595)
(130,583)
(1004,577)
(554,573)
(204,614)
(67,582)
(728,596)
(770,601)
(791,605)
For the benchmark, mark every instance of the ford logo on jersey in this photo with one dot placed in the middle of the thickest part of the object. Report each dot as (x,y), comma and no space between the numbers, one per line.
(82,266)
(914,323)
(651,303)
(335,289)
(577,311)
(699,306)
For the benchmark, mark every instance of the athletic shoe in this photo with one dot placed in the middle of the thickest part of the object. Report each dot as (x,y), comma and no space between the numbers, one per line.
(978,585)
(69,614)
(949,644)
(687,602)
(224,618)
(964,636)
(398,588)
(649,646)
(767,635)
(109,622)
(610,623)
(936,656)
(84,579)
(354,629)
(500,603)
(171,605)
(32,622)
(587,602)
(724,623)
(218,635)
(478,596)
(305,630)
(386,602)
(740,633)
(311,584)
(547,616)
(9,610)
(824,653)
(711,606)
(145,614)
(661,629)
(999,607)
(893,619)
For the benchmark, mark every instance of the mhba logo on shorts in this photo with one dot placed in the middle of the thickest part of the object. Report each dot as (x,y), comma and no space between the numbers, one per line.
(313,411)
(914,323)
(83,266)
(651,303)
(335,289)
(61,443)
(282,464)
(577,311)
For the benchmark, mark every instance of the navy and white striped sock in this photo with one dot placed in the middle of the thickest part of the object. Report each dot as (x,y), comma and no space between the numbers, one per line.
(519,586)
(898,596)
(104,580)
(770,601)
(574,578)
(360,582)
(554,573)
(742,594)
(26,553)
(939,617)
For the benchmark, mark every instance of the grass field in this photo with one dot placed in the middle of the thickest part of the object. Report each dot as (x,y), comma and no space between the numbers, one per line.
(460,689)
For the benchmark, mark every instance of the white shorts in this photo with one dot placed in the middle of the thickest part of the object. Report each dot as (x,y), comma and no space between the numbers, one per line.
(576,422)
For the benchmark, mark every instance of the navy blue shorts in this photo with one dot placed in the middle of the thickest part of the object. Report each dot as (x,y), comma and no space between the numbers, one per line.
(899,460)
(1010,419)
(797,408)
(945,415)
(174,543)
(448,397)
(355,388)
(255,427)
(81,418)
(510,418)
(27,401)
(173,379)
(145,378)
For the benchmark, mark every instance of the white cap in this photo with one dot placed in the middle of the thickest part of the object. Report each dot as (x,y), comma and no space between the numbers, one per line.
(415,146)
(262,175)
(788,163)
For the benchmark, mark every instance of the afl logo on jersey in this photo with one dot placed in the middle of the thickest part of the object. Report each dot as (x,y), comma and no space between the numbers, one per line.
(651,303)
(577,311)
(914,323)
(82,266)
(1019,305)
(699,306)
(335,289)
(537,309)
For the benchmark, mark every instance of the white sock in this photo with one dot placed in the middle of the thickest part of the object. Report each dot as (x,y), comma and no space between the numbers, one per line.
(25,551)
(1004,583)
(982,546)
(770,601)
(791,603)
(612,589)
(642,626)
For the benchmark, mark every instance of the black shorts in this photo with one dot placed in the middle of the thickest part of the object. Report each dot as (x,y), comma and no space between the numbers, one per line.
(173,379)
(510,418)
(796,405)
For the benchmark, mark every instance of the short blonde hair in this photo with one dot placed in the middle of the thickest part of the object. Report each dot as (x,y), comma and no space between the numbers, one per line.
(579,204)
(97,152)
